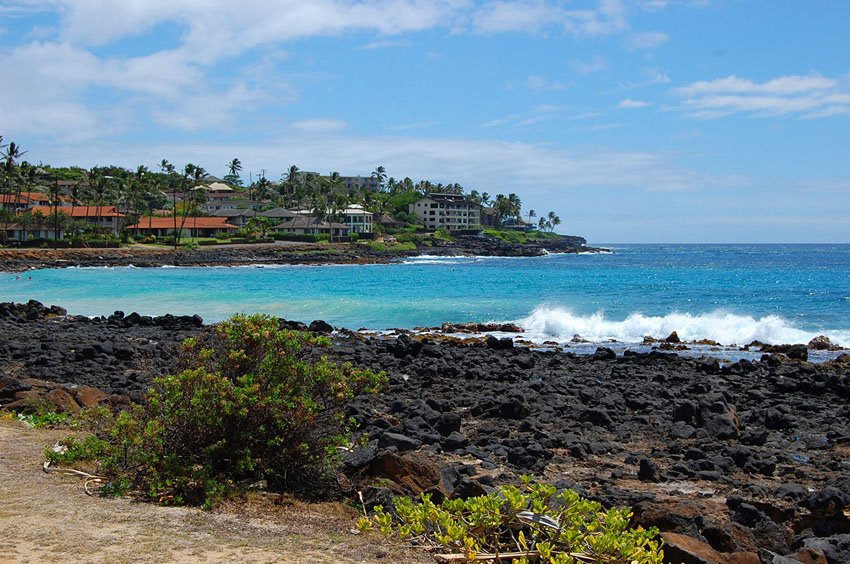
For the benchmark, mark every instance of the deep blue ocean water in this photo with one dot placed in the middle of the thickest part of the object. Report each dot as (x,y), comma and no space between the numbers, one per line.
(733,294)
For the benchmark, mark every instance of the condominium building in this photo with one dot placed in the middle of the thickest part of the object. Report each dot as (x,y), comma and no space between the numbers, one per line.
(450,211)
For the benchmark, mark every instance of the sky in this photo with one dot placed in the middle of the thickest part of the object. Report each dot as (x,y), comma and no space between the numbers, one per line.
(634,120)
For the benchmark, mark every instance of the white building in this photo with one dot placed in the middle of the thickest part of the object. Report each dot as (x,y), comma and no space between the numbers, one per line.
(358,219)
(449,211)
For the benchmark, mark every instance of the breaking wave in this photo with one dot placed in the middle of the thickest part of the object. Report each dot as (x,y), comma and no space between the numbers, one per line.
(725,328)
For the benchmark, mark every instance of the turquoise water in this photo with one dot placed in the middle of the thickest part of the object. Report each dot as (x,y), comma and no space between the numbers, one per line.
(728,293)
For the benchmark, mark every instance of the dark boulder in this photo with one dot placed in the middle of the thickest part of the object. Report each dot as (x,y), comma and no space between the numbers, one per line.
(319,326)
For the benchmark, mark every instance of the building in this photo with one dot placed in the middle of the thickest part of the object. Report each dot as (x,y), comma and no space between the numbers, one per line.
(215,205)
(107,218)
(308,225)
(361,183)
(191,226)
(238,217)
(282,214)
(448,211)
(358,219)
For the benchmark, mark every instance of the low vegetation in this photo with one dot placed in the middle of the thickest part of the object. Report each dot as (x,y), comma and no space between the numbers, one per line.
(248,407)
(517,237)
(532,523)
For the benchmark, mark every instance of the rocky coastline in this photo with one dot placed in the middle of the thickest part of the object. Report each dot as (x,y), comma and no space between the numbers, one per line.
(734,462)
(19,260)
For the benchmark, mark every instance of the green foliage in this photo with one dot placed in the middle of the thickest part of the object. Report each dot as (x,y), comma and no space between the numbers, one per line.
(72,450)
(508,236)
(43,417)
(551,527)
(247,406)
(398,247)
(443,234)
(517,237)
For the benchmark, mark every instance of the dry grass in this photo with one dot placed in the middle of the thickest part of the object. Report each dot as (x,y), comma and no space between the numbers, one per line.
(49,518)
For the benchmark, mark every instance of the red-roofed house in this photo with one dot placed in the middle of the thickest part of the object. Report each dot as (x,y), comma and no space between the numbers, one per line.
(42,199)
(12,203)
(105,217)
(192,226)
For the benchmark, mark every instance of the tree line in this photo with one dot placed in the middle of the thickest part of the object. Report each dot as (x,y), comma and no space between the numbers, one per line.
(141,191)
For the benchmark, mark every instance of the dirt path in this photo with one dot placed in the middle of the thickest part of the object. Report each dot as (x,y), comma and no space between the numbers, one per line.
(49,518)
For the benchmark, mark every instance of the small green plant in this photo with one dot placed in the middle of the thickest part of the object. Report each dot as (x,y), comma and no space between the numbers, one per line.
(43,419)
(72,450)
(42,413)
(443,234)
(533,521)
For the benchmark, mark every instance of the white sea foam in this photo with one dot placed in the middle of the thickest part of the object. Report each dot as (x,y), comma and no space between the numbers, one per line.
(725,328)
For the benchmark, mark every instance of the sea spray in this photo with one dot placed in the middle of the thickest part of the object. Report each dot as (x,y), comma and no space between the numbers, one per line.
(560,324)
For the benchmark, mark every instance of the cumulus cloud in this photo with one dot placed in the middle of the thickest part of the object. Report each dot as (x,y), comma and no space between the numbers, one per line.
(807,96)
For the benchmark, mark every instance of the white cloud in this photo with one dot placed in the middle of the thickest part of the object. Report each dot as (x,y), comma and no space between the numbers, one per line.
(535,114)
(319,125)
(807,96)
(510,166)
(646,39)
(537,83)
(629,104)
(386,44)
(527,15)
(594,64)
(607,18)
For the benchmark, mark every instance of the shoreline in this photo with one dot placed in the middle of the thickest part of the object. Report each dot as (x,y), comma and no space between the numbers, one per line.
(142,256)
(745,457)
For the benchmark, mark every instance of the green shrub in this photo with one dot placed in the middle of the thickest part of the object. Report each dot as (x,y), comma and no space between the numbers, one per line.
(381,247)
(443,234)
(508,236)
(247,406)
(547,526)
(72,450)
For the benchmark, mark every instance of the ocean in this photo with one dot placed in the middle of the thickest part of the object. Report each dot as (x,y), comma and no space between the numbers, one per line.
(732,294)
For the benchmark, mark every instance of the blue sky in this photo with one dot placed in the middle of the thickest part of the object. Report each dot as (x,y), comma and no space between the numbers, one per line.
(634,120)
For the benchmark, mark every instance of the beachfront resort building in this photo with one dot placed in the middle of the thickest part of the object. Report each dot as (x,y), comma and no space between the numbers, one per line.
(453,212)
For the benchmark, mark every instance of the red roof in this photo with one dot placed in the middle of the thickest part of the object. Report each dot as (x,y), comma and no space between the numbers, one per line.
(42,197)
(80,211)
(11,199)
(190,223)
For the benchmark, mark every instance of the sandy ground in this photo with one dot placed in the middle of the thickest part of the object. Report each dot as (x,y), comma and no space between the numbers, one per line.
(49,518)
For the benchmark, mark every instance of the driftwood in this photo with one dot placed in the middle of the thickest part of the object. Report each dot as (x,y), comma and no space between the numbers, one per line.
(90,478)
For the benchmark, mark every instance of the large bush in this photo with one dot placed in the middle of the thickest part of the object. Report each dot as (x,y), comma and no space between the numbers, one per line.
(246,407)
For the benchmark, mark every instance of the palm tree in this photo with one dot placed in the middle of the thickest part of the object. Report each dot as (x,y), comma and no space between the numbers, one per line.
(485,199)
(235,167)
(380,174)
(552,221)
(515,207)
(531,214)
(292,181)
